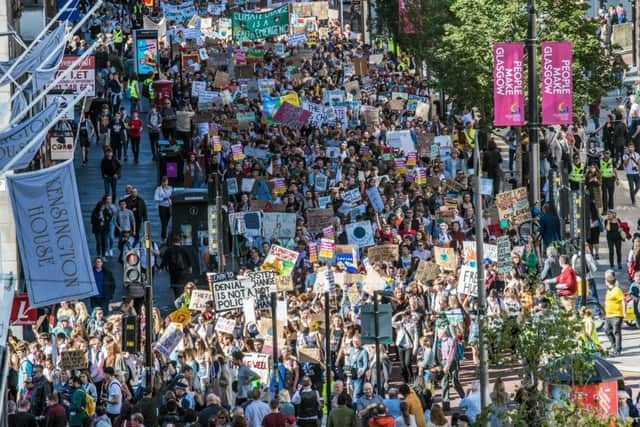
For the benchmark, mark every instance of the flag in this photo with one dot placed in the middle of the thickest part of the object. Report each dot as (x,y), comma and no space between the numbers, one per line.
(508,84)
(557,83)
(327,248)
(46,72)
(412,158)
(400,165)
(279,186)
(51,235)
(18,105)
(238,154)
(34,57)
(313,252)
(217,145)
(12,141)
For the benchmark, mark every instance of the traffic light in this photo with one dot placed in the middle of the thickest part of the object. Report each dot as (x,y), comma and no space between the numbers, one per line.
(131,334)
(212,219)
(132,267)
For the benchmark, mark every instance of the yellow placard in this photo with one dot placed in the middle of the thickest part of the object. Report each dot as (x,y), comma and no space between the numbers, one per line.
(181,316)
(291,98)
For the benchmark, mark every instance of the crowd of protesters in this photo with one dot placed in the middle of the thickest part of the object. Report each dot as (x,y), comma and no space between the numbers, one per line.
(205,381)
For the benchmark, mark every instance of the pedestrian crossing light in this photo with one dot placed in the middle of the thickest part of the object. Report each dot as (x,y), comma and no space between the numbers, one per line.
(132,267)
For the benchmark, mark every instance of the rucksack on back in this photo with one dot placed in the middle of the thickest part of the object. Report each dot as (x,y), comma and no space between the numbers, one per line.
(89,404)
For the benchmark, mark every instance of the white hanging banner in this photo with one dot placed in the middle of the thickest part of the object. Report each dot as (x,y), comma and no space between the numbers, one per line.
(13,140)
(51,235)
(35,57)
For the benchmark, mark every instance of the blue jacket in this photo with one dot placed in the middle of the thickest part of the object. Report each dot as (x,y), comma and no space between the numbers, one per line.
(550,228)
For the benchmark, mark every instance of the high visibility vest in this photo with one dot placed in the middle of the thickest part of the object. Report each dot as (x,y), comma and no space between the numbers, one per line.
(117,36)
(152,93)
(133,89)
(577,173)
(137,8)
(470,137)
(606,168)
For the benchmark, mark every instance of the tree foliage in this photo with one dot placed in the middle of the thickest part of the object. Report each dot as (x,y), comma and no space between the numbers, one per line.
(527,346)
(455,40)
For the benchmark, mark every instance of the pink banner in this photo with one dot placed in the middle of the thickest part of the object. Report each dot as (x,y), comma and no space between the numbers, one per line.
(557,83)
(508,84)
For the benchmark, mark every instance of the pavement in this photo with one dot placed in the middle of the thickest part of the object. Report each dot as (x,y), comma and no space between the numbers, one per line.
(142,176)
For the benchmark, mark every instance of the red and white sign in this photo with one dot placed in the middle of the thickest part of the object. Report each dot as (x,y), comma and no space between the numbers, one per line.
(22,314)
(84,75)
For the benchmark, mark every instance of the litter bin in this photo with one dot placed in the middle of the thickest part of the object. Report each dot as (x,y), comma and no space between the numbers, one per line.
(594,387)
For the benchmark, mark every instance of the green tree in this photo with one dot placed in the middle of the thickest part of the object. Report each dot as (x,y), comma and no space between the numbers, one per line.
(542,348)
(456,38)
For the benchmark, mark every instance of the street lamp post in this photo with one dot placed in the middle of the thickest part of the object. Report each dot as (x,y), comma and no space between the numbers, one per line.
(534,148)
(482,296)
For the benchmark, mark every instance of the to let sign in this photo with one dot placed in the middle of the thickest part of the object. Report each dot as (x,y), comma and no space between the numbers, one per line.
(81,77)
(21,313)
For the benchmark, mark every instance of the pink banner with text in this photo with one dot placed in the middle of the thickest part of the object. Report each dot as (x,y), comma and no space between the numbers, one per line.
(508,84)
(557,83)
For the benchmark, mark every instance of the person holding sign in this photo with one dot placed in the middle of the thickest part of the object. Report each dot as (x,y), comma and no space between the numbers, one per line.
(566,284)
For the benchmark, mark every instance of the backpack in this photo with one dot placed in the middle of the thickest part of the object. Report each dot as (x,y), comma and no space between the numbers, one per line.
(89,404)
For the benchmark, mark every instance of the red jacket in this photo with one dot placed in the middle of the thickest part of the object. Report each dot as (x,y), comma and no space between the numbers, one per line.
(135,128)
(567,277)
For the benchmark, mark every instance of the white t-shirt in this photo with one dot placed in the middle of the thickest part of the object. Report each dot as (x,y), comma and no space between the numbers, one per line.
(631,168)
(114,389)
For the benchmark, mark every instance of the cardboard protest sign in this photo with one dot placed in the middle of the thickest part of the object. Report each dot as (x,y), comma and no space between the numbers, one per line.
(199,299)
(360,234)
(221,80)
(280,260)
(258,363)
(284,284)
(361,66)
(181,316)
(292,116)
(169,340)
(309,355)
(279,225)
(381,253)
(352,87)
(513,206)
(259,288)
(396,105)
(468,281)
(376,59)
(504,254)
(373,281)
(318,219)
(446,258)
(226,326)
(347,257)
(426,271)
(317,9)
(401,140)
(422,111)
(229,295)
(469,253)
(353,294)
(73,359)
(260,25)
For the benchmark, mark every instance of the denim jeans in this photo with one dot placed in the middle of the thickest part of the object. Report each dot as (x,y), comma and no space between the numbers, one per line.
(111,237)
(634,184)
(110,186)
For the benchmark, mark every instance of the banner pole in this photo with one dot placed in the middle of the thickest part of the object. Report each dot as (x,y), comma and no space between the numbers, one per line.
(532,70)
(53,53)
(55,19)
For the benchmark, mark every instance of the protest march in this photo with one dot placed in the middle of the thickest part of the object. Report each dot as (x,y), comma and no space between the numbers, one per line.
(268,214)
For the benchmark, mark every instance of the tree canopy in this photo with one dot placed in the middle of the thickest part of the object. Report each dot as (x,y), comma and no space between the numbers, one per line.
(455,38)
